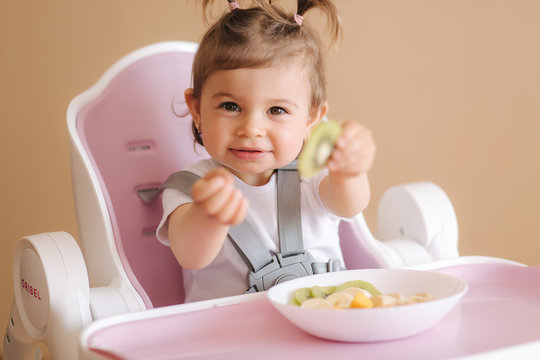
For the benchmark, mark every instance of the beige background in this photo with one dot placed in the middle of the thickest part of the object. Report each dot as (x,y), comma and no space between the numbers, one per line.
(451,90)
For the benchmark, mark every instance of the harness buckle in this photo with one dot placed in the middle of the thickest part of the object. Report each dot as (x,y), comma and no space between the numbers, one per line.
(283,268)
(280,270)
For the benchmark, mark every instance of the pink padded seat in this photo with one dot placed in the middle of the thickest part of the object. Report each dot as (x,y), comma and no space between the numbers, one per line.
(135,140)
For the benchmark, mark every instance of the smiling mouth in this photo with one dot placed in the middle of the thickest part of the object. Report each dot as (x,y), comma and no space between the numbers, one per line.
(248,154)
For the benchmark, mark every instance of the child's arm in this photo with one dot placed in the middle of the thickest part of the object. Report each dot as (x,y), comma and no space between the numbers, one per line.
(345,191)
(197,230)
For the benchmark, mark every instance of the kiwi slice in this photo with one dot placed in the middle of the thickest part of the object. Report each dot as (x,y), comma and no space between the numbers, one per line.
(360,284)
(318,149)
(301,295)
(322,291)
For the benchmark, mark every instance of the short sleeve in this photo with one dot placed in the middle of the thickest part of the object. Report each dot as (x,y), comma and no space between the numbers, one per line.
(171,200)
(317,179)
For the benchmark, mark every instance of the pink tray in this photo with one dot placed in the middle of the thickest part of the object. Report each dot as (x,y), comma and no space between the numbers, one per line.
(500,310)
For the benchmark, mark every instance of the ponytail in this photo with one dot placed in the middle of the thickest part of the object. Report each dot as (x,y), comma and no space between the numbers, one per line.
(326,7)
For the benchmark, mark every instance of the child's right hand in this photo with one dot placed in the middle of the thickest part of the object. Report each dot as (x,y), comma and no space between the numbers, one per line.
(215,195)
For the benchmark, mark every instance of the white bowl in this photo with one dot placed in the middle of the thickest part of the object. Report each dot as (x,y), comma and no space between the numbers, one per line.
(373,324)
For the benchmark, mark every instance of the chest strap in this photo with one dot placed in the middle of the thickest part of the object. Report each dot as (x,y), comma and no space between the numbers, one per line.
(292,261)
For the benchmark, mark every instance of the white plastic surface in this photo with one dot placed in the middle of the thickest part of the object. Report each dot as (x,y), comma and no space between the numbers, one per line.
(418,221)
(374,324)
(107,301)
(52,298)
(17,343)
(51,292)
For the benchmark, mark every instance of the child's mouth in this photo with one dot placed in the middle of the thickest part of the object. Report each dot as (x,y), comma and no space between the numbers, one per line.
(248,153)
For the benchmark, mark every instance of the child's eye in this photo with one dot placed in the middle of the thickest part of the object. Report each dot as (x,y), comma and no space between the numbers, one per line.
(229,106)
(276,110)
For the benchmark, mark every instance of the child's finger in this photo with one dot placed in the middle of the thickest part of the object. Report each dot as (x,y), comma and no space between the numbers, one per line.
(215,203)
(232,212)
(204,188)
(213,181)
(349,132)
(240,213)
(354,150)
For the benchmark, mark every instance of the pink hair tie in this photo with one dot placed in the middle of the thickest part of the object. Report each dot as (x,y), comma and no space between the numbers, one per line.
(299,19)
(233,5)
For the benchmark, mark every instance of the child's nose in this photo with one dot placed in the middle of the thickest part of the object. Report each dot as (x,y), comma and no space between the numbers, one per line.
(251,127)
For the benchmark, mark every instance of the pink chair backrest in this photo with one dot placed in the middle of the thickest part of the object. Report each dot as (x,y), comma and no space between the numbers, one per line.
(135,139)
(356,252)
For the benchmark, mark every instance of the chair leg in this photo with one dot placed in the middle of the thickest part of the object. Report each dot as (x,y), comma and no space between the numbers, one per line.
(18,345)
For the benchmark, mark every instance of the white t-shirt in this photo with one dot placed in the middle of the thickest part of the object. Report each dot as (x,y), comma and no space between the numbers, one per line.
(226,275)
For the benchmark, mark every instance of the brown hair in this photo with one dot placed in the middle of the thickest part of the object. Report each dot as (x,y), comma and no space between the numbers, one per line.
(263,36)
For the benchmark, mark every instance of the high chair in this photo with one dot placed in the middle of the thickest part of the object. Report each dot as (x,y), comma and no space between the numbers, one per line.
(128,132)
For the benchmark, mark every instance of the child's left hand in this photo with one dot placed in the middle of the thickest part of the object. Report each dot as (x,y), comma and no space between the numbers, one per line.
(354,152)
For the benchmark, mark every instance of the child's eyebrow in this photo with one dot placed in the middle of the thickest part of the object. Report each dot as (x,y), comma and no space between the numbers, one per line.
(222,94)
(289,102)
(286,101)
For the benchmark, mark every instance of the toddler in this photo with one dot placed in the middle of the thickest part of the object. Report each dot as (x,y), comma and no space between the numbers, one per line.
(258,91)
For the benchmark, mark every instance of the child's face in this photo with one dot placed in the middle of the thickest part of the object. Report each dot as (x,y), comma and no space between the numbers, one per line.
(255,120)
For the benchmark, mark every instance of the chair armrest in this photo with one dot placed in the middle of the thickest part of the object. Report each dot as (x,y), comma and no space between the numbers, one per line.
(111,300)
(51,295)
(419,212)
(53,301)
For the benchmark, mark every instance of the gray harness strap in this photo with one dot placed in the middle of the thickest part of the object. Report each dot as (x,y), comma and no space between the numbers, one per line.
(289,214)
(267,269)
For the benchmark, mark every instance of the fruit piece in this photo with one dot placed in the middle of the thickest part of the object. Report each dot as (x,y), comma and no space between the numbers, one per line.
(301,295)
(360,300)
(340,299)
(361,284)
(420,297)
(401,300)
(383,301)
(355,290)
(316,303)
(321,291)
(425,296)
(318,149)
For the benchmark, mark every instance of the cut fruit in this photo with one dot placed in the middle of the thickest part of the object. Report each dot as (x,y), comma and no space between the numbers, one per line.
(318,149)
(360,300)
(321,291)
(340,299)
(316,303)
(301,295)
(383,301)
(360,284)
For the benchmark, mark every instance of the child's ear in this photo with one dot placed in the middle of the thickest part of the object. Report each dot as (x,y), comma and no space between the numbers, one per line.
(194,107)
(316,115)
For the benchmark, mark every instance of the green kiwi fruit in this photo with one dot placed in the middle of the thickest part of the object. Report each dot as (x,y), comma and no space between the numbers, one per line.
(360,284)
(322,291)
(301,295)
(318,148)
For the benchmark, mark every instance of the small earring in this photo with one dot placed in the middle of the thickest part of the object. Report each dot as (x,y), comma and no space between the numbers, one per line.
(306,136)
(198,128)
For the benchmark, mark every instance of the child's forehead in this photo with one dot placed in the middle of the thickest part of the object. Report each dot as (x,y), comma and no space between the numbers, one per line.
(276,72)
(266,82)
(276,75)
